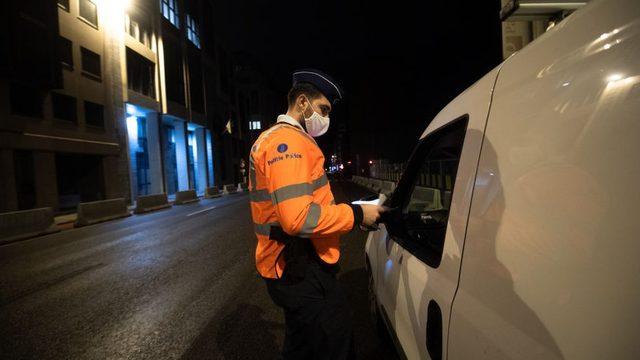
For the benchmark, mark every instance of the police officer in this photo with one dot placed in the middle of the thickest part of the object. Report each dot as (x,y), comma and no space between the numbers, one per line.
(298,224)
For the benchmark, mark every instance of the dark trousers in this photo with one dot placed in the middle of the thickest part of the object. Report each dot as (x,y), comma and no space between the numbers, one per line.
(317,315)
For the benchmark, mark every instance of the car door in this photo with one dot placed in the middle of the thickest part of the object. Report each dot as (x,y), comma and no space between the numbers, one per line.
(419,249)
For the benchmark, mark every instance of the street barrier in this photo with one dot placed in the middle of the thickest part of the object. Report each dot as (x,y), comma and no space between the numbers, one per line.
(380,186)
(368,184)
(362,181)
(425,198)
(375,185)
(212,192)
(146,203)
(102,210)
(243,187)
(229,189)
(16,225)
(387,187)
(186,197)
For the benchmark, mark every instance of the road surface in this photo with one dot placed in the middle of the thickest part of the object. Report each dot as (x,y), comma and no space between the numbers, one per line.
(178,283)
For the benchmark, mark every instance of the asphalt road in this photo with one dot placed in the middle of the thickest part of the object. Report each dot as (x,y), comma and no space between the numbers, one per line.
(174,284)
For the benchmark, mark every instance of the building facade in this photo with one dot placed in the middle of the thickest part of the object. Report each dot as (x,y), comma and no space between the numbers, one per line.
(258,105)
(525,20)
(106,99)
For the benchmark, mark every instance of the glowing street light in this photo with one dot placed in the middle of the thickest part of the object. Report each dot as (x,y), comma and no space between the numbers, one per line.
(113,12)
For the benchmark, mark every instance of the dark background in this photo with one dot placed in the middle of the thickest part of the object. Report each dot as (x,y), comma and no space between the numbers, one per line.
(398,62)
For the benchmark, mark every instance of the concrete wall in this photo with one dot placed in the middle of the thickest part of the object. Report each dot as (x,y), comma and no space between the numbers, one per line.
(116,185)
(519,31)
(8,196)
(44,163)
(515,35)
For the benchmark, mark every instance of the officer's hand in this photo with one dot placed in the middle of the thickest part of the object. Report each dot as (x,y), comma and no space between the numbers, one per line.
(371,214)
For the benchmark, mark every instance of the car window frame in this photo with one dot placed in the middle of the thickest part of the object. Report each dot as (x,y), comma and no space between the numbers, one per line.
(401,196)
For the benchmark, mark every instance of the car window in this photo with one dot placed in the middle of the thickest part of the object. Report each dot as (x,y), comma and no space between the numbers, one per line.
(428,191)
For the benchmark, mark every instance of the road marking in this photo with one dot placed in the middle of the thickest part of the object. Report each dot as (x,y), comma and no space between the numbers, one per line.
(201,211)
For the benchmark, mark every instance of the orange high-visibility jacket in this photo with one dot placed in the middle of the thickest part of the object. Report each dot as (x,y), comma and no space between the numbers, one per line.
(288,188)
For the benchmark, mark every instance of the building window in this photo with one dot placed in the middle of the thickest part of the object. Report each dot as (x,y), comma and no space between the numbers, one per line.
(64,107)
(169,157)
(207,28)
(173,71)
(93,114)
(139,151)
(26,100)
(64,4)
(193,32)
(138,30)
(140,74)
(192,159)
(169,10)
(91,64)
(254,125)
(65,52)
(196,97)
(89,12)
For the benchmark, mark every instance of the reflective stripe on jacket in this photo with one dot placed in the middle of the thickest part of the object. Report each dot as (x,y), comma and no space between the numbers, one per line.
(288,188)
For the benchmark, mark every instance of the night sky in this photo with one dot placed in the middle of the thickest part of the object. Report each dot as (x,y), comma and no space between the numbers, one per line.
(399,63)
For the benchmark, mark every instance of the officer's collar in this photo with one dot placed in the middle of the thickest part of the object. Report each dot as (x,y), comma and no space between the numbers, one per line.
(289,120)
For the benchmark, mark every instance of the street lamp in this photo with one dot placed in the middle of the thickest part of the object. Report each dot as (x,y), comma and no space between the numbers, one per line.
(113,11)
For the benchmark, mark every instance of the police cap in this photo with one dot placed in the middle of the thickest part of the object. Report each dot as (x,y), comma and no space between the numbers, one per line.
(323,82)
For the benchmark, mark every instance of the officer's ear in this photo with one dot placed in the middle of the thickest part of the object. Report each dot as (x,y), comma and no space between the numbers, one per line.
(302,102)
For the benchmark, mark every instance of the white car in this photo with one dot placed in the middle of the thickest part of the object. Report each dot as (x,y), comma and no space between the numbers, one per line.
(515,233)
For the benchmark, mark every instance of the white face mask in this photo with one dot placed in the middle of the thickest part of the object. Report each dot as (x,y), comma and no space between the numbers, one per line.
(316,124)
